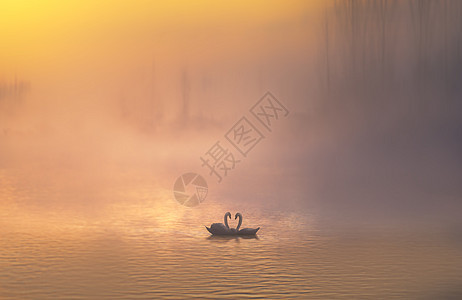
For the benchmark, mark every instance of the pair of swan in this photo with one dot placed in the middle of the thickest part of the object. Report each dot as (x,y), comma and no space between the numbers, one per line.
(223,229)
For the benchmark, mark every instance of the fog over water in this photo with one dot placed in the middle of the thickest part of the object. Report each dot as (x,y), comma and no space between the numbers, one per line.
(357,190)
(373,91)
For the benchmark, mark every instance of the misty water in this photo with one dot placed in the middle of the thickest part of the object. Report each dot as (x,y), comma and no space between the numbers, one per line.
(141,254)
(357,190)
(139,246)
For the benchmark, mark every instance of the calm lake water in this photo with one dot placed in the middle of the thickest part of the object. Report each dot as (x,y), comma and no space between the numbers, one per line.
(155,248)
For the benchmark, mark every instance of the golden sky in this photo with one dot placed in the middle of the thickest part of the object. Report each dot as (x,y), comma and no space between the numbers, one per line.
(94,87)
(101,72)
(35,34)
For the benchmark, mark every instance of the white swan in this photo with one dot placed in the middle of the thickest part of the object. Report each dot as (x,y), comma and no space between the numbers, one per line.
(244,231)
(222,229)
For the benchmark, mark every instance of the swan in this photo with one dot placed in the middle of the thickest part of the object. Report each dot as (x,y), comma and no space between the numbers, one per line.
(222,229)
(244,231)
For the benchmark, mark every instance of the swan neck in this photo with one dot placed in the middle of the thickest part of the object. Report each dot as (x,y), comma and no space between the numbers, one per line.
(226,221)
(240,221)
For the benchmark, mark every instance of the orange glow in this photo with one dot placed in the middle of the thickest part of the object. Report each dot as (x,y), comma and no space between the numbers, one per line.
(99,68)
(35,34)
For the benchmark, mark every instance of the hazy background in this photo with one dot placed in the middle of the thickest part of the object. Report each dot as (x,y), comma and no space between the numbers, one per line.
(103,102)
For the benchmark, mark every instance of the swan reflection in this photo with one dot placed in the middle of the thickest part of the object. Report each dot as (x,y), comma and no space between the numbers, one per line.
(227,238)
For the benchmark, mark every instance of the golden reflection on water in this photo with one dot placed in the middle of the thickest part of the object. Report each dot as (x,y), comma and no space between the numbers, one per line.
(145,245)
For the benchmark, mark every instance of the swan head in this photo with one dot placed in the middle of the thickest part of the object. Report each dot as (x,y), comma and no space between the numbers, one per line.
(236,216)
